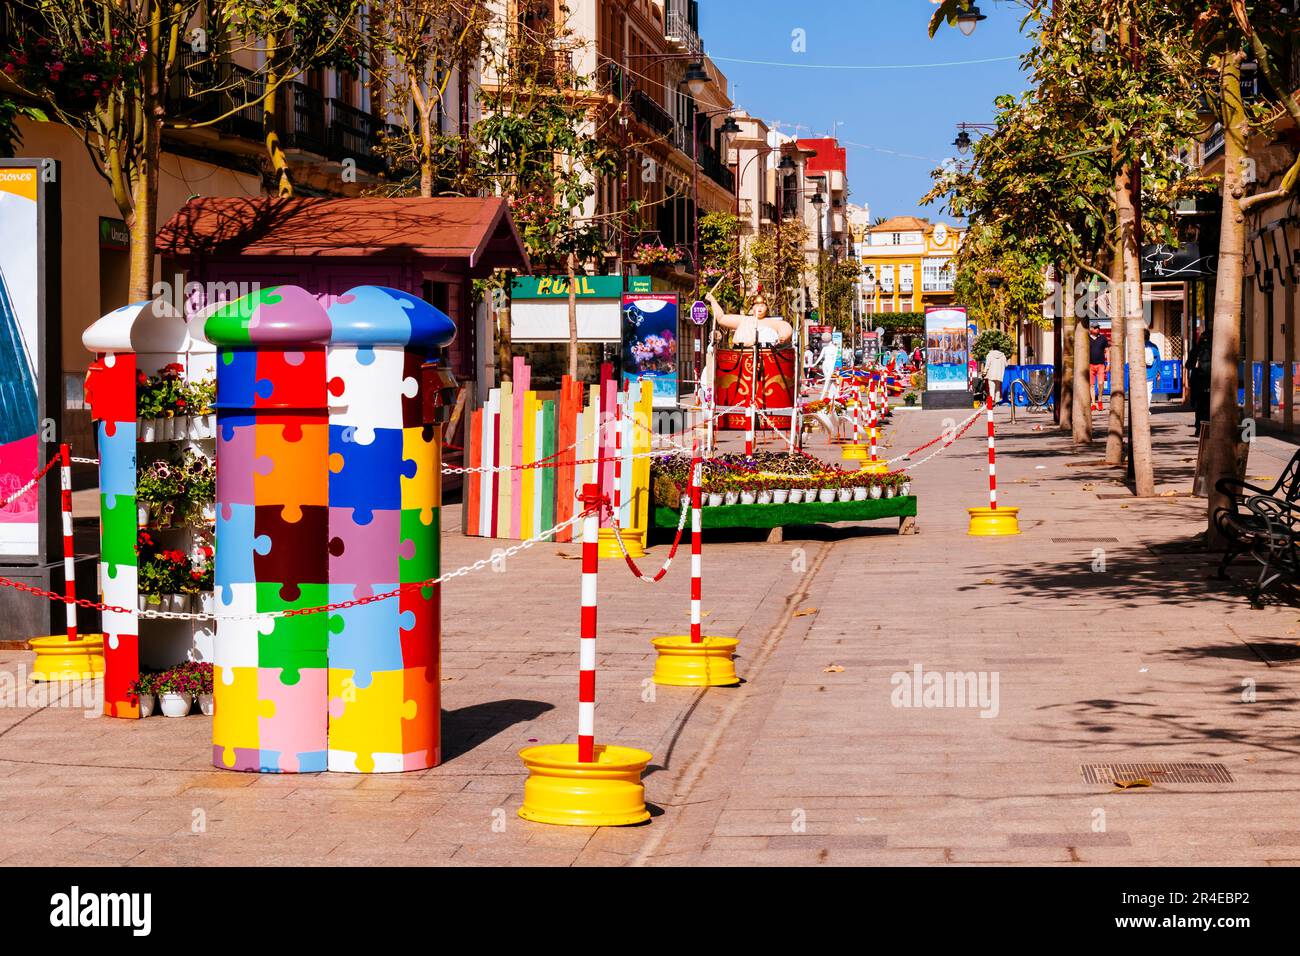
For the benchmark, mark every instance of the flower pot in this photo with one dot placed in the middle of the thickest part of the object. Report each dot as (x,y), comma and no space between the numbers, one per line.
(205,602)
(860,493)
(780,496)
(796,495)
(208,511)
(175,705)
(875,491)
(205,704)
(748,498)
(765,497)
(826,495)
(147,429)
(147,705)
(731,497)
(142,515)
(906,489)
(714,500)
(890,492)
(844,494)
(149,602)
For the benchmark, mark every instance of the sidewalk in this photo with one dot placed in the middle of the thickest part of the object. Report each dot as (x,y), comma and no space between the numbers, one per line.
(1144,661)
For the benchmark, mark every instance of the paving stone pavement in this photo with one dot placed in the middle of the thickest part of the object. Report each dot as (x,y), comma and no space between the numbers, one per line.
(1100,650)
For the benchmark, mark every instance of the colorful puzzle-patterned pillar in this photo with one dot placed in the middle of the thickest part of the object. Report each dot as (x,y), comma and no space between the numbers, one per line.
(328,491)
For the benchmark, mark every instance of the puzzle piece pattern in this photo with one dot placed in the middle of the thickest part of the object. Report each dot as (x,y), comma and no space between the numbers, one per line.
(111,393)
(328,489)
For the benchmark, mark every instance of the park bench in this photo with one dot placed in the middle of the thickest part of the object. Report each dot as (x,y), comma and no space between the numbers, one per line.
(1275,547)
(1243,526)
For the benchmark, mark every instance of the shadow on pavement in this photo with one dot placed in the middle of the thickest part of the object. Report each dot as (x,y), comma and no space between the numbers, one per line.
(466,728)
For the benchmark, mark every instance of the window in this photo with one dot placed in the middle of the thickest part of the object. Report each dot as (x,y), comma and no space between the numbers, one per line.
(887,278)
(905,277)
(896,239)
(936,276)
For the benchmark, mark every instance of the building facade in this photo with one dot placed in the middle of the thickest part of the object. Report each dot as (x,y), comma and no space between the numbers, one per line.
(907,263)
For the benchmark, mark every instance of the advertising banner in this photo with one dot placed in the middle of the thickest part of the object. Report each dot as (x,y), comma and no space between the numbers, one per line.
(23,348)
(650,343)
(947,349)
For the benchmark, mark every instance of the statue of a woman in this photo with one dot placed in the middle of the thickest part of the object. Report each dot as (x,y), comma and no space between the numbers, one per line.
(757,327)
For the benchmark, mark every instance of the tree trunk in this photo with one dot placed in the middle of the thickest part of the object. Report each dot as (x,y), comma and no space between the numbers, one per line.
(505,354)
(1116,416)
(274,151)
(1065,350)
(572,264)
(1223,426)
(1082,417)
(1139,412)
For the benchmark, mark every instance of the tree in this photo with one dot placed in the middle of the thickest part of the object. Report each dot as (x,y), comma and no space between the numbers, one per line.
(1226,33)
(542,144)
(1002,286)
(1065,170)
(414,45)
(110,70)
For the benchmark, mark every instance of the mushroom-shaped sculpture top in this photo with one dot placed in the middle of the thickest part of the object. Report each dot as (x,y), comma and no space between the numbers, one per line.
(141,327)
(367,315)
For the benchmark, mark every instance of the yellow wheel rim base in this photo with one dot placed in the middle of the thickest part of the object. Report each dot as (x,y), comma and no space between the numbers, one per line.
(563,792)
(873,468)
(633,540)
(58,659)
(994,522)
(708,664)
(854,452)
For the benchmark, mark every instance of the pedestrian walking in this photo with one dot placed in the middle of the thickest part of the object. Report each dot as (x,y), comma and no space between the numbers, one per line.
(1098,363)
(995,369)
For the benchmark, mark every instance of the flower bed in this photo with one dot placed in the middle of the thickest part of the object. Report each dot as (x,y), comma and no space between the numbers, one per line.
(770,478)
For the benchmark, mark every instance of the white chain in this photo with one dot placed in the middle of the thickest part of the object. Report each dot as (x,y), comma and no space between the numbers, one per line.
(19,493)
(956,430)
(442,579)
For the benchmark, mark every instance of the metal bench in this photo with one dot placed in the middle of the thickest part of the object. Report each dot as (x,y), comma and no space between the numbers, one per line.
(1241,525)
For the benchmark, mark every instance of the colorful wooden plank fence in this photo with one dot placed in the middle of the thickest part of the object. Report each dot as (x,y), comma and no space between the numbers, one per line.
(518,426)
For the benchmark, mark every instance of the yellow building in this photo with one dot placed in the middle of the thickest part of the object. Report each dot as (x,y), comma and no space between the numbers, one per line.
(907,264)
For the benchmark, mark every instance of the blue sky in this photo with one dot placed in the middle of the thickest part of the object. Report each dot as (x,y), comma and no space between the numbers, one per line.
(912,112)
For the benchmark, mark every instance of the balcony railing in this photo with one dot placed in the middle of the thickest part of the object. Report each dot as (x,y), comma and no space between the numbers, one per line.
(767,212)
(711,165)
(678,29)
(208,90)
(940,286)
(302,124)
(352,134)
(1213,145)
(651,113)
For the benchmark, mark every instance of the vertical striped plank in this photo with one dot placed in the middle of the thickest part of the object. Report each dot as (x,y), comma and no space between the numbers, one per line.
(488,490)
(528,477)
(549,446)
(506,459)
(496,475)
(643,416)
(522,383)
(567,423)
(473,481)
(539,474)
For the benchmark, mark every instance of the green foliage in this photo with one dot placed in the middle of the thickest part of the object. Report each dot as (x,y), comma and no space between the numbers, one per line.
(9,114)
(719,252)
(997,281)
(991,339)
(902,322)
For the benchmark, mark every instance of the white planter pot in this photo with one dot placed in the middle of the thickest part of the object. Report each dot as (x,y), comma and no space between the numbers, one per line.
(205,602)
(147,429)
(714,500)
(165,429)
(765,497)
(177,603)
(206,704)
(149,602)
(780,496)
(748,498)
(844,494)
(142,516)
(906,489)
(796,495)
(208,510)
(826,495)
(890,492)
(860,493)
(175,705)
(875,491)
(147,704)
(731,497)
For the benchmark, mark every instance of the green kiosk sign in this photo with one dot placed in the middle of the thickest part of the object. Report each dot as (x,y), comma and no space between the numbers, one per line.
(588,287)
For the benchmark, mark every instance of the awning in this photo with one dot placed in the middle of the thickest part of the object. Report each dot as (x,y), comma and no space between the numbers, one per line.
(477,231)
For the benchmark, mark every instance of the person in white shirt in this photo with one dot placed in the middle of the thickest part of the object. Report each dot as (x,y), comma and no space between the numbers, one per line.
(995,369)
(827,358)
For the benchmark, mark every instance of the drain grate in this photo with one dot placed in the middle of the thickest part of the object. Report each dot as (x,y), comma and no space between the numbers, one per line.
(1085,540)
(1157,772)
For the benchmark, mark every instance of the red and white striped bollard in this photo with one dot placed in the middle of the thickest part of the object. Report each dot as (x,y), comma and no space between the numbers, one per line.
(697,527)
(69,562)
(587,628)
(993,472)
